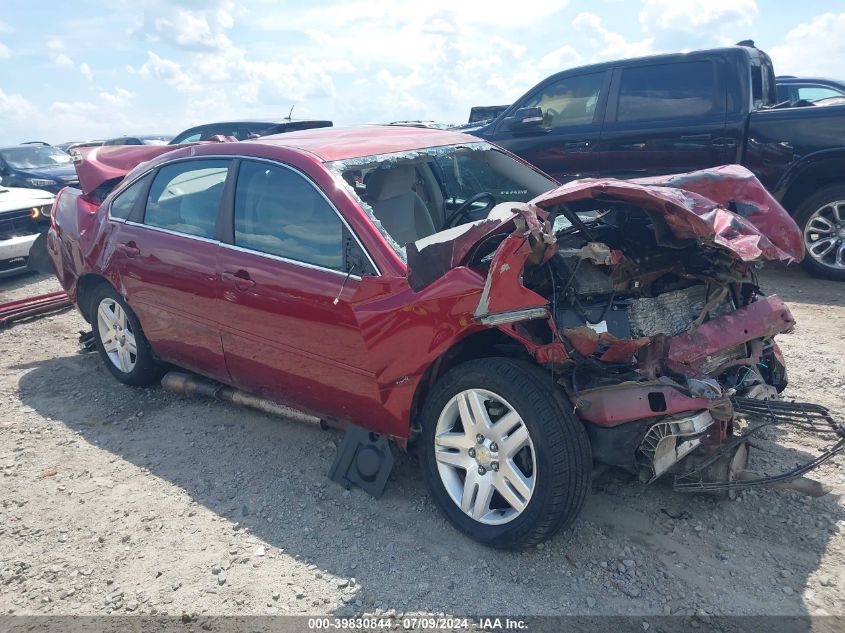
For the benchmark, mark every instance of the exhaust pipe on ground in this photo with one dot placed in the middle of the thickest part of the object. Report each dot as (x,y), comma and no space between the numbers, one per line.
(804,485)
(185,384)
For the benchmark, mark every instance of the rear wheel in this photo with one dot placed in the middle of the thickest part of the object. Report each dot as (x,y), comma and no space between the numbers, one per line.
(822,220)
(120,339)
(504,458)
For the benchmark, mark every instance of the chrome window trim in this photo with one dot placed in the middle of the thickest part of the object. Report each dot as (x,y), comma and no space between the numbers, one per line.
(239,248)
(279,258)
(249,250)
(160,229)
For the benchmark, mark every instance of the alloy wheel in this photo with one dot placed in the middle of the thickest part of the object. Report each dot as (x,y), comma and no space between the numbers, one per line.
(485,456)
(116,335)
(824,235)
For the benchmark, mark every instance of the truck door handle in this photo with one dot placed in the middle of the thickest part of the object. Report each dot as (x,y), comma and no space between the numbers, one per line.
(240,279)
(723,142)
(130,249)
(579,146)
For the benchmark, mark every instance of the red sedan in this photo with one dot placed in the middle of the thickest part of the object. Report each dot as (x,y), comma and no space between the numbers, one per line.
(434,288)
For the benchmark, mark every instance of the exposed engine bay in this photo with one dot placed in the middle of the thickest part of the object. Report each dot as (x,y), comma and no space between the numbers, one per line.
(641,299)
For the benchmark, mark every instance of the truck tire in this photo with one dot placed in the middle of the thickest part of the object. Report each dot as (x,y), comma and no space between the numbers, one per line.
(120,340)
(821,218)
(503,456)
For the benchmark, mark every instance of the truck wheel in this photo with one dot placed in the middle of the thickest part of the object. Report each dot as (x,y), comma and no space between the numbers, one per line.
(120,339)
(822,219)
(502,454)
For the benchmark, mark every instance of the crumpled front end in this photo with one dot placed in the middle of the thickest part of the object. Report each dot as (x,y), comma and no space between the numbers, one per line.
(641,299)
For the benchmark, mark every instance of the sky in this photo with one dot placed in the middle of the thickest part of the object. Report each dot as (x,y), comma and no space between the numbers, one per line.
(103,68)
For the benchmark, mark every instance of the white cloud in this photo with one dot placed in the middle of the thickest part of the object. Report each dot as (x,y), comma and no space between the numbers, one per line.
(613,45)
(15,107)
(816,47)
(120,97)
(5,52)
(190,29)
(63,61)
(85,71)
(55,44)
(693,15)
(165,70)
(5,28)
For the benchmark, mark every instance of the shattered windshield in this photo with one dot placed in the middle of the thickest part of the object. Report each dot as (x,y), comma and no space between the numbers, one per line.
(33,157)
(413,195)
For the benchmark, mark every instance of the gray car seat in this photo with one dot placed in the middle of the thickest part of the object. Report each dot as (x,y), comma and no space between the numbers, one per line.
(401,211)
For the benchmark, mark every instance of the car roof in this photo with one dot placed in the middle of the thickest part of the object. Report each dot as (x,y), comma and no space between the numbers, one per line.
(258,122)
(791,79)
(333,143)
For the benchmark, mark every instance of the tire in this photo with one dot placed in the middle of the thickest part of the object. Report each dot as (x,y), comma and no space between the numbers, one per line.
(114,343)
(555,464)
(815,212)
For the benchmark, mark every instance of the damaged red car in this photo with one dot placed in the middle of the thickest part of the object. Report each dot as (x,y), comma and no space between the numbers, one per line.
(435,289)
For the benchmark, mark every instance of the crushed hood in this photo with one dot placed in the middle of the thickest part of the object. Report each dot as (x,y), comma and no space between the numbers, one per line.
(723,206)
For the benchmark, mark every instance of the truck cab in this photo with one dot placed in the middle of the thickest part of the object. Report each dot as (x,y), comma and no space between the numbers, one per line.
(668,114)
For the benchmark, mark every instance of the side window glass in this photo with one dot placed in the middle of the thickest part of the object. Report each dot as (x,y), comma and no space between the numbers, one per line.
(193,138)
(817,93)
(124,202)
(279,212)
(570,101)
(185,197)
(667,91)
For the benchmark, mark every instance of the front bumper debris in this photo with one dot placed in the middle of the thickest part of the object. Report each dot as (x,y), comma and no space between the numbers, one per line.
(811,418)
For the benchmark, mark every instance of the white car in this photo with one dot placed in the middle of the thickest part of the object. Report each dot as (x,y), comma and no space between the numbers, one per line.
(24,215)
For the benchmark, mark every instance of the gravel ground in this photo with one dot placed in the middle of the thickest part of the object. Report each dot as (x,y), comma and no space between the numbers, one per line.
(124,500)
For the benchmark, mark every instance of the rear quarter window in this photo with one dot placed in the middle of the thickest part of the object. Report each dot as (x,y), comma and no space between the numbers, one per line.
(124,202)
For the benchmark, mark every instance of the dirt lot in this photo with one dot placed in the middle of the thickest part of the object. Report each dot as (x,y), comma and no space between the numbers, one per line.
(161,504)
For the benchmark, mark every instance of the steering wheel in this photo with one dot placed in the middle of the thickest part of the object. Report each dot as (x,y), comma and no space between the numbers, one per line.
(463,210)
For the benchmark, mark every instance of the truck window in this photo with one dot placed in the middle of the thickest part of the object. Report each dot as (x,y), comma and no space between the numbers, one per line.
(569,101)
(667,91)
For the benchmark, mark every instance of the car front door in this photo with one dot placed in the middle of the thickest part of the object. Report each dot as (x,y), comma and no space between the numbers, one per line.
(563,144)
(167,261)
(664,119)
(290,267)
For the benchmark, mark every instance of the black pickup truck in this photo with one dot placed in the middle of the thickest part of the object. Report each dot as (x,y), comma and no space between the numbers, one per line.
(676,113)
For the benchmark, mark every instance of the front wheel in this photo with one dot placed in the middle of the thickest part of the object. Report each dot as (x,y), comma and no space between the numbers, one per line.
(822,220)
(503,456)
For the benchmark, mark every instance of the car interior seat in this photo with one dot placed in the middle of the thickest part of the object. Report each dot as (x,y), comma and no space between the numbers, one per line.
(397,206)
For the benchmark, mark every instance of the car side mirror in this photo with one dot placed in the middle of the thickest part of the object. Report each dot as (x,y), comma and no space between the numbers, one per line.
(525,119)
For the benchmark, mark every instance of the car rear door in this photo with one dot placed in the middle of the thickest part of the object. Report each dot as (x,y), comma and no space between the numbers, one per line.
(563,144)
(167,260)
(286,275)
(665,118)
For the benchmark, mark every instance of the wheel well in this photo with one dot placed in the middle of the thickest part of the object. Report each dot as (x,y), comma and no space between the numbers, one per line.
(813,178)
(85,292)
(486,344)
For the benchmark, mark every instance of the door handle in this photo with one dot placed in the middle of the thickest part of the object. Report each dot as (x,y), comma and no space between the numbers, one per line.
(130,249)
(579,146)
(723,142)
(241,279)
